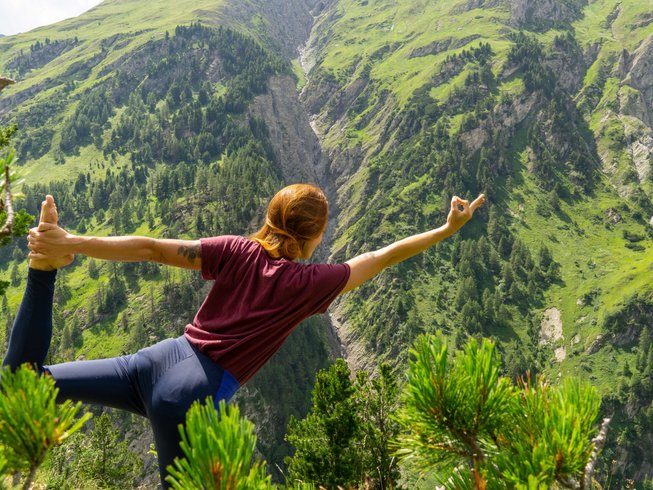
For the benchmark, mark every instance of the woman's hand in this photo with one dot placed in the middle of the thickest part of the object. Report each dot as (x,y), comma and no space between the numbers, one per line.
(51,240)
(457,217)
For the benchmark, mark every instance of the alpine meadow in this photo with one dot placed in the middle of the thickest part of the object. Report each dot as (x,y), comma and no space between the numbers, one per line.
(517,353)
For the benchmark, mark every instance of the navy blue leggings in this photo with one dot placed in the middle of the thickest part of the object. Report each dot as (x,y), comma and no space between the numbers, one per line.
(159,382)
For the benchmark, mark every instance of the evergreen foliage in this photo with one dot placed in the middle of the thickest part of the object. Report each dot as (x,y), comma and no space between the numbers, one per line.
(179,120)
(345,440)
(476,429)
(31,423)
(86,124)
(327,441)
(99,458)
(13,224)
(377,401)
(218,448)
(107,459)
(17,224)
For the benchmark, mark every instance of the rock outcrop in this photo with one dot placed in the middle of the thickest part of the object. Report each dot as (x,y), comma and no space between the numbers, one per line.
(542,14)
(639,76)
(296,146)
(441,45)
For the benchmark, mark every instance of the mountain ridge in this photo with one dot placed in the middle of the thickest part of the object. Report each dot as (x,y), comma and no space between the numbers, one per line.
(392,108)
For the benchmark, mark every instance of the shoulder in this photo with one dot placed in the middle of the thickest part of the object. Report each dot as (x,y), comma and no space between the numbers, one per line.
(325,273)
(218,251)
(221,242)
(230,245)
(319,284)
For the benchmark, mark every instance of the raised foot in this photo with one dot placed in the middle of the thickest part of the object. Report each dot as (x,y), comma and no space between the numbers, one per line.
(49,215)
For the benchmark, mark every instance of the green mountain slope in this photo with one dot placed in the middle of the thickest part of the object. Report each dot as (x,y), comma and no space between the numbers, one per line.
(140,126)
(546,108)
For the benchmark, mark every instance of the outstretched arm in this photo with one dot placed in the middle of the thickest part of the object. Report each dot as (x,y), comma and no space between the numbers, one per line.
(53,241)
(365,266)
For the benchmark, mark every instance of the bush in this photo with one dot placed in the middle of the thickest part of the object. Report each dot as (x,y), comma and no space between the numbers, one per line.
(218,446)
(31,423)
(475,429)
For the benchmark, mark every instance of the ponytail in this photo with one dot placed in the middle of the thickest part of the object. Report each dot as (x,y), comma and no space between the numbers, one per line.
(296,214)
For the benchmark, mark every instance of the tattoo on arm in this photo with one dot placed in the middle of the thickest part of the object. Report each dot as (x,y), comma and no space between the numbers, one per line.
(191,252)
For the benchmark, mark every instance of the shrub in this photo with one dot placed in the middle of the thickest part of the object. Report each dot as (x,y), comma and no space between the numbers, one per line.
(218,446)
(31,423)
(476,429)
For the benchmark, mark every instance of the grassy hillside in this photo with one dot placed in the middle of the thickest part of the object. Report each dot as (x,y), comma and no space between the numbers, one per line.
(140,126)
(413,110)
(138,122)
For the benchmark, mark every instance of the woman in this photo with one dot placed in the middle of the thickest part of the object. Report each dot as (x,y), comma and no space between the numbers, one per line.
(259,296)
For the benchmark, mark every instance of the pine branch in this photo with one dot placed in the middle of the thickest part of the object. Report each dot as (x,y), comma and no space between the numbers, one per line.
(7,204)
(8,226)
(598,442)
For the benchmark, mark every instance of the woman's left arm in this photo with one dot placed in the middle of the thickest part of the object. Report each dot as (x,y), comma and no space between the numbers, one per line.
(52,241)
(365,266)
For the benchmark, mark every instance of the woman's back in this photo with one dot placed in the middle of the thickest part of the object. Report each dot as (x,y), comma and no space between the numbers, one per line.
(256,302)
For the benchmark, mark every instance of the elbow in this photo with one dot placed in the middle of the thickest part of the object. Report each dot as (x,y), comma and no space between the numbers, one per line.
(152,251)
(384,259)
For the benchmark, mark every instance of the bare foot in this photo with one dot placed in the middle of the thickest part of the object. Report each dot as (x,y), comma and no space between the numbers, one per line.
(49,215)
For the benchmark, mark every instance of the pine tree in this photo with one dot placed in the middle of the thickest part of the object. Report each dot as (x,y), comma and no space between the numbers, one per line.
(327,451)
(466,292)
(377,403)
(487,303)
(93,270)
(218,448)
(474,429)
(15,275)
(106,458)
(31,423)
(138,335)
(67,343)
(471,317)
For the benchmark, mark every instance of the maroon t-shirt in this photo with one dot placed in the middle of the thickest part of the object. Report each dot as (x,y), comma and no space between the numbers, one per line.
(256,302)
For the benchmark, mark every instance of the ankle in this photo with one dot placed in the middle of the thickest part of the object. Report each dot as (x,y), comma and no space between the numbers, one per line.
(40,265)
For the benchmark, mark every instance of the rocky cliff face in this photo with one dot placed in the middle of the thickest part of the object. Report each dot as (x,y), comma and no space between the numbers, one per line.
(636,106)
(542,14)
(281,23)
(296,145)
(628,113)
(639,76)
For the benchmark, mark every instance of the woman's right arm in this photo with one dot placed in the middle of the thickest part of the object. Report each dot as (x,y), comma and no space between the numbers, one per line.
(365,266)
(52,241)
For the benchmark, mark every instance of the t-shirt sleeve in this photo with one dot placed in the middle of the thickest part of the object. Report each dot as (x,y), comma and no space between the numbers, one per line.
(215,252)
(324,283)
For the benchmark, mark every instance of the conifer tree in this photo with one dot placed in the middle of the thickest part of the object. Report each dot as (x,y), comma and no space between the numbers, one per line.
(31,423)
(473,428)
(377,402)
(218,446)
(138,335)
(93,269)
(327,449)
(106,458)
